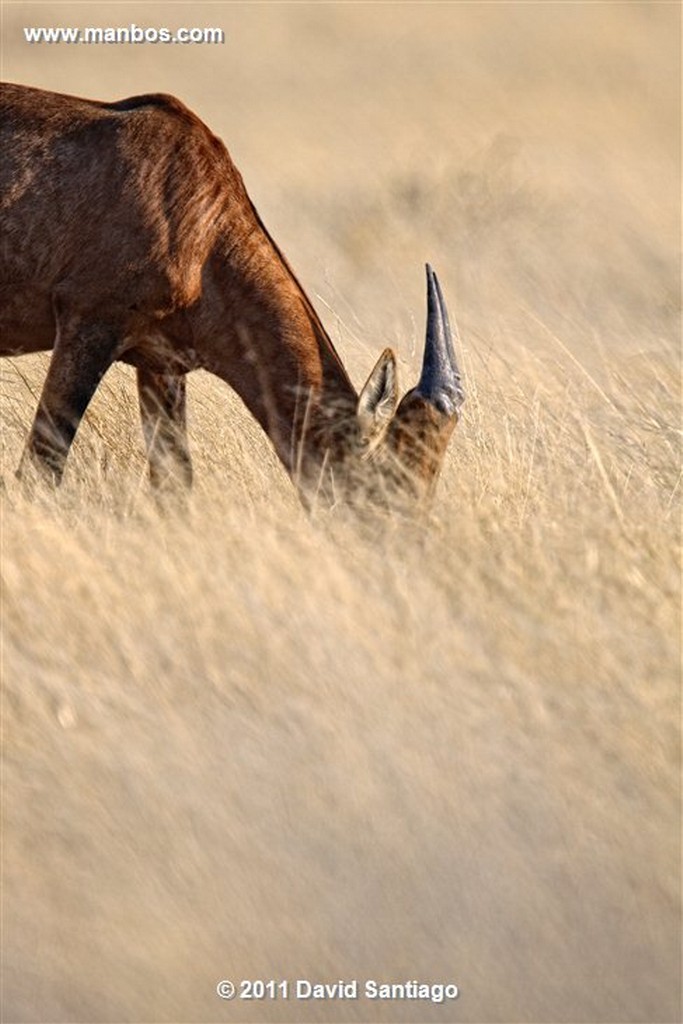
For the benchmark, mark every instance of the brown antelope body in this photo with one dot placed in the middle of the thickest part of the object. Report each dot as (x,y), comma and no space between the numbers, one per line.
(126,233)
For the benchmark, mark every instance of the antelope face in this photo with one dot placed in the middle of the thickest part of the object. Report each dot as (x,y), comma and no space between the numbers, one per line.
(403,448)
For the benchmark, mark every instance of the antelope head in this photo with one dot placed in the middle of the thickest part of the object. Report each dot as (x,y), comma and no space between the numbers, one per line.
(399,448)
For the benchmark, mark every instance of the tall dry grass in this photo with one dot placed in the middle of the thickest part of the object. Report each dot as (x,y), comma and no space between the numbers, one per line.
(245,743)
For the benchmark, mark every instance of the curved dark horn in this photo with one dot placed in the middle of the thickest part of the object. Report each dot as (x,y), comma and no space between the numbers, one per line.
(440,382)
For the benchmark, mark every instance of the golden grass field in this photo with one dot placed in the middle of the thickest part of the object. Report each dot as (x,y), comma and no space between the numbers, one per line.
(248,744)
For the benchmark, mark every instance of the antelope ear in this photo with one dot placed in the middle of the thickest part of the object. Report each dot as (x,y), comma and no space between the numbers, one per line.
(379,396)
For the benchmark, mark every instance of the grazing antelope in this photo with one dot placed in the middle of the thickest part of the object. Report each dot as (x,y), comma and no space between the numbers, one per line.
(127,234)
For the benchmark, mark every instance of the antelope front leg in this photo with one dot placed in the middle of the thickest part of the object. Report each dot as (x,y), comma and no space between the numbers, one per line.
(83,352)
(162,410)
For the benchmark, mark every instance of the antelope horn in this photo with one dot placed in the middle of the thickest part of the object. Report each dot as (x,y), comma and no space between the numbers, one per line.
(440,382)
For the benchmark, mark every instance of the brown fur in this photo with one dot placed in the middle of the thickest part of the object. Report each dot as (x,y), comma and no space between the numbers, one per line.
(127,233)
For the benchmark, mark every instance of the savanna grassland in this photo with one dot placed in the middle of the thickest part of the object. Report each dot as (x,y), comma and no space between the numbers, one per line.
(244,743)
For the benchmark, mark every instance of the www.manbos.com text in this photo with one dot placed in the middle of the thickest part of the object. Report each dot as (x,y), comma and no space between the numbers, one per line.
(123,34)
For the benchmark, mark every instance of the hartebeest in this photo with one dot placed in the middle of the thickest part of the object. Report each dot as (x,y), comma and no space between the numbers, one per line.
(127,234)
